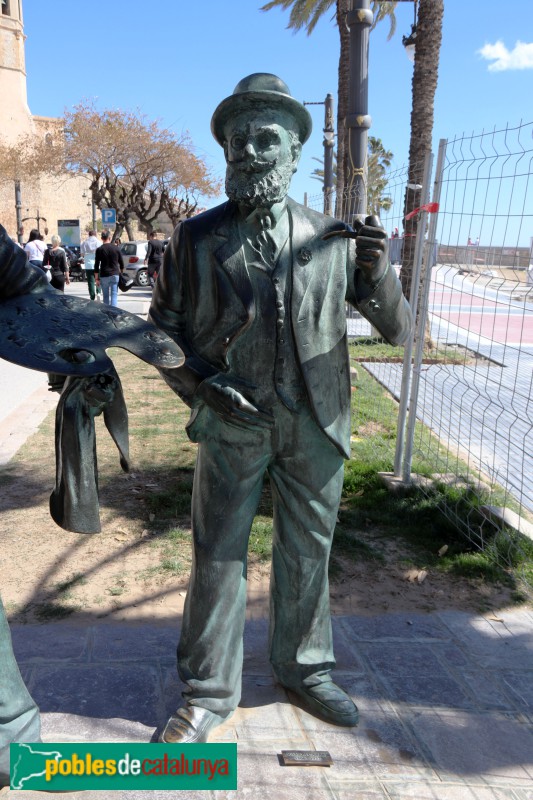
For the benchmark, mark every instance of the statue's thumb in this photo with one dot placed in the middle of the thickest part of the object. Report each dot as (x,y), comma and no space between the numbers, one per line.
(374,221)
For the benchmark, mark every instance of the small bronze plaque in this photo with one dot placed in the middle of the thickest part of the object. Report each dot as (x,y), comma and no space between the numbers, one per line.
(306,758)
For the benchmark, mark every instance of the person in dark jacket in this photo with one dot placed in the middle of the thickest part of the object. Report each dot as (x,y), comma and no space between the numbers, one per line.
(154,257)
(56,259)
(108,265)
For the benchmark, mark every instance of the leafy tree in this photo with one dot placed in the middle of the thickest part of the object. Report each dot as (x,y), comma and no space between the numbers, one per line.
(135,166)
(28,157)
(306,14)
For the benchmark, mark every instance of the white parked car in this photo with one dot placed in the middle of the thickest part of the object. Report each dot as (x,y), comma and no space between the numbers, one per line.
(134,254)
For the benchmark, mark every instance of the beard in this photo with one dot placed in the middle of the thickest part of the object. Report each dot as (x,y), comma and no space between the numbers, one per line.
(258,189)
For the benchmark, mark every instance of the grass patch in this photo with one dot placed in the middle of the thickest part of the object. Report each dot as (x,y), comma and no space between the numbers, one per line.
(364,348)
(260,545)
(174,546)
(157,495)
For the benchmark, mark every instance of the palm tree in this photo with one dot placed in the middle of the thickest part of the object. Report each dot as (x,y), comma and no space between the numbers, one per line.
(305,14)
(425,77)
(379,161)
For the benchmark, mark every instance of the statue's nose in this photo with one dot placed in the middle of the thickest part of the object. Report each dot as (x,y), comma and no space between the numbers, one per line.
(250,149)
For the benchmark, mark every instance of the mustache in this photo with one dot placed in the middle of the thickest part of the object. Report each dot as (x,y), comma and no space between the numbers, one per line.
(257,165)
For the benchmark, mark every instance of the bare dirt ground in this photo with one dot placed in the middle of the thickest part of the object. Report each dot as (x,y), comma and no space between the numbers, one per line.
(123,572)
(132,571)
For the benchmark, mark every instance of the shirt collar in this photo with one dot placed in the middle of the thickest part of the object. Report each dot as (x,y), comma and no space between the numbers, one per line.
(275,211)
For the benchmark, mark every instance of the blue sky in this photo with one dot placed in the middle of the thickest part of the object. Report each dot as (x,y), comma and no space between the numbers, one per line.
(177,61)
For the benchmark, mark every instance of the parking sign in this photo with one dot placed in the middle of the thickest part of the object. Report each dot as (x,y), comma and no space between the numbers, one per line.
(109,217)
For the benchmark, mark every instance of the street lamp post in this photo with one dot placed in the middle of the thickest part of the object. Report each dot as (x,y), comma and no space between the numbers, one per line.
(18,211)
(359,20)
(328,142)
(329,136)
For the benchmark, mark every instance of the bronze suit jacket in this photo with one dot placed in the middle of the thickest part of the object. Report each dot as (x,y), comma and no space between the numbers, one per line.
(203,299)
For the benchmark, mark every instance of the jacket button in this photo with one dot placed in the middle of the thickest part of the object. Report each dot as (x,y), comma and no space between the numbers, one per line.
(373,305)
(225,340)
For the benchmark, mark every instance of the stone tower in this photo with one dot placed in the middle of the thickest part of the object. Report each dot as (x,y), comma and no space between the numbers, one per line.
(17,119)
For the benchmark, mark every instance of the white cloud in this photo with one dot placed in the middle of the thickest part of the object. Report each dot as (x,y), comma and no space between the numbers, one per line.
(521,57)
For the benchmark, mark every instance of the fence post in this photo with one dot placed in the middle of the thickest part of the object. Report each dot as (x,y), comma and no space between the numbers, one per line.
(423,314)
(413,302)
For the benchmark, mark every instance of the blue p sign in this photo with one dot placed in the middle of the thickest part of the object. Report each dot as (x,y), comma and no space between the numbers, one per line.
(109,217)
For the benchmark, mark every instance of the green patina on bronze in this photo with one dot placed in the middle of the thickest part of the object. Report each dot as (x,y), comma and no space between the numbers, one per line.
(253,292)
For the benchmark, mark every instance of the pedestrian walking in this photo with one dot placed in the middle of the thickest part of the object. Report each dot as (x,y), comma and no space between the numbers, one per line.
(154,257)
(108,264)
(35,249)
(88,249)
(55,259)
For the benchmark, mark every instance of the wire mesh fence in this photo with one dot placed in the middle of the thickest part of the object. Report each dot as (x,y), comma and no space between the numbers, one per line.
(481,308)
(474,369)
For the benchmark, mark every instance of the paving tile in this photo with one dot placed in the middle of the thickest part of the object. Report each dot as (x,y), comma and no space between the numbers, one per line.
(266,721)
(451,655)
(357,790)
(54,642)
(256,657)
(524,794)
(412,673)
(121,795)
(59,727)
(476,744)
(403,658)
(440,791)
(426,690)
(382,748)
(345,649)
(117,690)
(262,690)
(261,776)
(395,626)
(492,644)
(489,691)
(520,686)
(133,642)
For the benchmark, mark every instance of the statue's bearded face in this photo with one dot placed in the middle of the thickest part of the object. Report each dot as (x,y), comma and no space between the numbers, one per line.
(262,153)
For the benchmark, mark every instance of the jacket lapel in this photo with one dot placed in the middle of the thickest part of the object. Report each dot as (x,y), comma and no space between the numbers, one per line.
(230,257)
(303,261)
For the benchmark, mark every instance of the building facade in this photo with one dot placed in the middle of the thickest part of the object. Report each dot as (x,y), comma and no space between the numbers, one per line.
(43,200)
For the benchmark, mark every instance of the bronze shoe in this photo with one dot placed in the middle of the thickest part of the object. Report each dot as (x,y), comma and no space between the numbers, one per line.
(326,701)
(189,724)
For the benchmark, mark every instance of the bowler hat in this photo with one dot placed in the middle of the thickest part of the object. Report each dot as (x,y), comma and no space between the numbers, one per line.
(261,90)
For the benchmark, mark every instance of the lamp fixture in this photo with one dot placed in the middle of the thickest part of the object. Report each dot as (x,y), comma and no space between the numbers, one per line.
(409,42)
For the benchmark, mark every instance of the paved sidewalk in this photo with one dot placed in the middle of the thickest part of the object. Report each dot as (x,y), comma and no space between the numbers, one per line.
(446,705)
(446,699)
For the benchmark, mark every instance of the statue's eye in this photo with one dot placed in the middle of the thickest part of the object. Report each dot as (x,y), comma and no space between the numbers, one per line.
(266,139)
(238,142)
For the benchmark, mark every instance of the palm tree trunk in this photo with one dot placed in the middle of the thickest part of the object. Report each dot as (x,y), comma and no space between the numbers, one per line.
(425,77)
(342,105)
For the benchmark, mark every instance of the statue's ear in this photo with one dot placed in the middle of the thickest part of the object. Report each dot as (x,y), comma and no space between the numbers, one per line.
(296,152)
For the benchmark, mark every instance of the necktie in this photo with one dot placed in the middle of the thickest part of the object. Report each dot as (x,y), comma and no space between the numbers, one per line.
(261,221)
